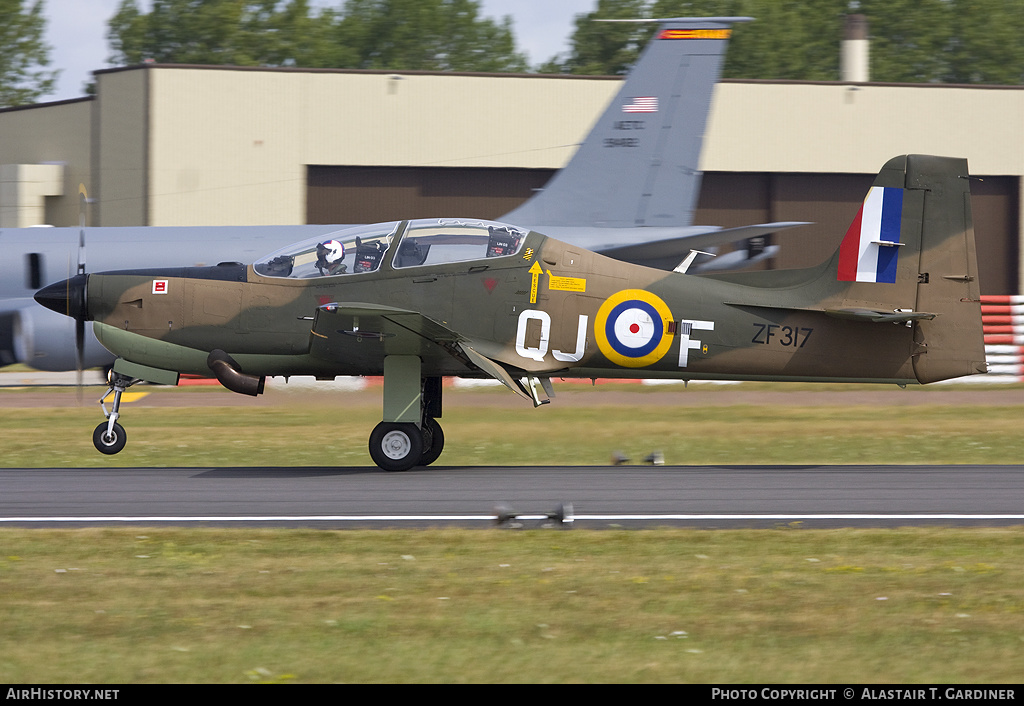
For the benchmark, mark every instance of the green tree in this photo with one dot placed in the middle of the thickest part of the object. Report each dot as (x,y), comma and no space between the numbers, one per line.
(909,39)
(787,40)
(435,35)
(24,55)
(946,41)
(921,41)
(988,44)
(604,48)
(430,35)
(232,32)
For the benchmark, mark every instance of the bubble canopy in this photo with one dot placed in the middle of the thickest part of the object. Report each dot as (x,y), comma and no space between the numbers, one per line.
(418,243)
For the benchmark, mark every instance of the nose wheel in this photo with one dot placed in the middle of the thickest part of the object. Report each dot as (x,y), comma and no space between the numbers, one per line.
(110,437)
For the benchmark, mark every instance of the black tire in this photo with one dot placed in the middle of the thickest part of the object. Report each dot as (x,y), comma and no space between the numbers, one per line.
(396,446)
(433,441)
(112,444)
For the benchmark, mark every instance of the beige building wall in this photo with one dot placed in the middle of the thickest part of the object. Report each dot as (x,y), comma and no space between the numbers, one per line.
(843,128)
(165,145)
(23,192)
(232,146)
(55,137)
(121,159)
(183,146)
(226,148)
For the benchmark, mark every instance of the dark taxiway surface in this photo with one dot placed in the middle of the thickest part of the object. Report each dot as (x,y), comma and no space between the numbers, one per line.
(691,496)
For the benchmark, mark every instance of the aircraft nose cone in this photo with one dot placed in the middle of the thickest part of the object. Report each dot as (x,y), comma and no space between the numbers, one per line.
(66,297)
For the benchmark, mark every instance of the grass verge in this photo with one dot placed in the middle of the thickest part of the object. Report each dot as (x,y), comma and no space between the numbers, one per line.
(306,434)
(129,605)
(208,605)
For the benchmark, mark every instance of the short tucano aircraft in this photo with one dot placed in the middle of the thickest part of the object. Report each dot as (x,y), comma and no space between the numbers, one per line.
(419,300)
(629,192)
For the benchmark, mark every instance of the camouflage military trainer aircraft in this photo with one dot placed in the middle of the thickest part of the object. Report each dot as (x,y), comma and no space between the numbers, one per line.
(418,300)
(629,192)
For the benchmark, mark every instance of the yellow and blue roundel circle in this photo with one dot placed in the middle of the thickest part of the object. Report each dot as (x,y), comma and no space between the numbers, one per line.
(630,328)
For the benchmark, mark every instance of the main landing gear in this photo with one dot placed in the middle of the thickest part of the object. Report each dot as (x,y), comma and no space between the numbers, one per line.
(110,437)
(409,435)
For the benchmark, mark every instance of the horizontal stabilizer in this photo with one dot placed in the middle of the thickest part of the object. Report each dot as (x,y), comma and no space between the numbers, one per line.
(897,316)
(672,247)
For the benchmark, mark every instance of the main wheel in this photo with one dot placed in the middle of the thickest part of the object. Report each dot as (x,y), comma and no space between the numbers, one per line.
(433,441)
(109,443)
(396,446)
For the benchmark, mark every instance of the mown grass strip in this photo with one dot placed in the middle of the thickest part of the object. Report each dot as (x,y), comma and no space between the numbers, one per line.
(129,605)
(311,434)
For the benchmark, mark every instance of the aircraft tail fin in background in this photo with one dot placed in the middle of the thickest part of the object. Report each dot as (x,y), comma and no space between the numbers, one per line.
(639,166)
(908,258)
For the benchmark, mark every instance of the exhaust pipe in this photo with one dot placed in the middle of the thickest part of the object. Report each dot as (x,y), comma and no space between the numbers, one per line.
(228,374)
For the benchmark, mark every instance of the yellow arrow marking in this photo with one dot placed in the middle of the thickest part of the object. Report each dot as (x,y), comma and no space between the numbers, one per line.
(536,270)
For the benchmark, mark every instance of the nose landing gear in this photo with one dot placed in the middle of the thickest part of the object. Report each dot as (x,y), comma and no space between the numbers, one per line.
(110,437)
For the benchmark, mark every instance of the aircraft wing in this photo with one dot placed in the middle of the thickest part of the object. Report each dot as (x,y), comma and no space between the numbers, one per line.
(399,330)
(339,329)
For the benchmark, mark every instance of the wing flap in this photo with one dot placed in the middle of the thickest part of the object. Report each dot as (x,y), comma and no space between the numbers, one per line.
(338,325)
(494,369)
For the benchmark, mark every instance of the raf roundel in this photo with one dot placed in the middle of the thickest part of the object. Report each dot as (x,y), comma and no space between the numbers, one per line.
(630,328)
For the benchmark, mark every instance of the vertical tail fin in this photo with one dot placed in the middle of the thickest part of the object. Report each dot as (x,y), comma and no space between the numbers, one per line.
(910,251)
(952,344)
(639,166)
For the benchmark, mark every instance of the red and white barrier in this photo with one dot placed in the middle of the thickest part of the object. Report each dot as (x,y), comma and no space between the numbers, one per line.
(1002,320)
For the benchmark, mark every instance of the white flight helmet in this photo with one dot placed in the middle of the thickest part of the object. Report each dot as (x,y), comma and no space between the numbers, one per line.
(334,251)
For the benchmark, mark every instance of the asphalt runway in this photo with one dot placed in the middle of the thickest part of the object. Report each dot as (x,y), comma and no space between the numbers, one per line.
(601,497)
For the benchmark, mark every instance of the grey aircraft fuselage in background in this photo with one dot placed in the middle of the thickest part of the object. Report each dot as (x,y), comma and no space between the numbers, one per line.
(629,192)
(417,300)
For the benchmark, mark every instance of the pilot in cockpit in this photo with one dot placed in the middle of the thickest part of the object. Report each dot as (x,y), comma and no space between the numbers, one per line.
(329,257)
